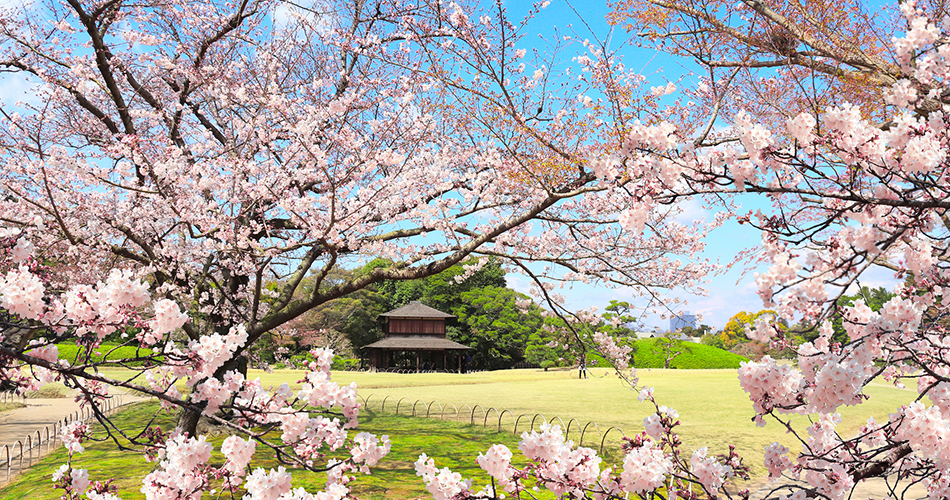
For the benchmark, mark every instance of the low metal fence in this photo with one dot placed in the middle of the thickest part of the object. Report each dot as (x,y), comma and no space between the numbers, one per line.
(41,442)
(478,415)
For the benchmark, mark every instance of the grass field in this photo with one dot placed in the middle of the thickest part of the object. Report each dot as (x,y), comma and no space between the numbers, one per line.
(452,445)
(714,410)
(106,352)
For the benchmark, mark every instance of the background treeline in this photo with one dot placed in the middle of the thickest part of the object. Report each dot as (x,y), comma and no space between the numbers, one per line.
(504,327)
(734,338)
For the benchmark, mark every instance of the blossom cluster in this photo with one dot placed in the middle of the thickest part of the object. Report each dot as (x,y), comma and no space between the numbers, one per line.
(570,471)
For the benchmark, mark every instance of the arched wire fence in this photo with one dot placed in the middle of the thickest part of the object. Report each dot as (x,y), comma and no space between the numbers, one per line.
(23,452)
(32,447)
(12,397)
(588,434)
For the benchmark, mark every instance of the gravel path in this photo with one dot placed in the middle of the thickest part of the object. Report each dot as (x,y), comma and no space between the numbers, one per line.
(17,424)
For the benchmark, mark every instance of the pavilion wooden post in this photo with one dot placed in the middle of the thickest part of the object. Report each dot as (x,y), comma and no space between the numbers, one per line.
(417,361)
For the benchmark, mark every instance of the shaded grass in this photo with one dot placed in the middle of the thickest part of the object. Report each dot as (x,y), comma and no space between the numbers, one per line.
(650,354)
(451,444)
(103,460)
(11,406)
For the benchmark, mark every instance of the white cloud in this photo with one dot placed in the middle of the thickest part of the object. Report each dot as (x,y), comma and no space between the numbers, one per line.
(692,210)
(311,16)
(17,88)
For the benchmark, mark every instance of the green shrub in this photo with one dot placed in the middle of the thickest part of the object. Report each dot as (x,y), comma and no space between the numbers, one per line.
(595,359)
(700,357)
(299,361)
(548,364)
(341,363)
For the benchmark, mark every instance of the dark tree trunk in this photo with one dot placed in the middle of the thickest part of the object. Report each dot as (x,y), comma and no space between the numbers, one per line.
(188,420)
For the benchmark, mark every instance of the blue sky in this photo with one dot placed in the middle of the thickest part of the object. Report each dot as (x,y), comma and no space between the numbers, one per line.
(730,292)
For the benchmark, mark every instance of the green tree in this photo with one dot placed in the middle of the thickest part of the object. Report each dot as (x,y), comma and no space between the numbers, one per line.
(713,339)
(618,318)
(875,298)
(552,345)
(353,315)
(670,346)
(547,349)
(493,324)
(442,291)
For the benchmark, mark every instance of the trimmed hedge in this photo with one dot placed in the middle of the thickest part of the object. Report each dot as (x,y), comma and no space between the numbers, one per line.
(701,357)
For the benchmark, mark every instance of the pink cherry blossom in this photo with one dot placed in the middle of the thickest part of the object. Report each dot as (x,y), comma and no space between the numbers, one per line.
(645,469)
(267,485)
(238,453)
(21,293)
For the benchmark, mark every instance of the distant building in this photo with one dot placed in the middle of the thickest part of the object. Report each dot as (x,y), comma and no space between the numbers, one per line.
(683,320)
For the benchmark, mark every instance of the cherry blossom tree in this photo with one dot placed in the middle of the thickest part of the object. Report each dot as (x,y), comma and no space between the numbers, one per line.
(184,154)
(849,190)
(775,59)
(212,148)
(176,158)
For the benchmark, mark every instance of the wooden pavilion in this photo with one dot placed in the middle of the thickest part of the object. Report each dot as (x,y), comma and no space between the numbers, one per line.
(415,339)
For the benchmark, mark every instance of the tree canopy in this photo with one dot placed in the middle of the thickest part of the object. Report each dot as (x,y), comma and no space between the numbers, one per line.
(177,158)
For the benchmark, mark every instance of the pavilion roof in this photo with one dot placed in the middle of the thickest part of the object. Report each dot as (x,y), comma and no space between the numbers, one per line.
(416,342)
(416,309)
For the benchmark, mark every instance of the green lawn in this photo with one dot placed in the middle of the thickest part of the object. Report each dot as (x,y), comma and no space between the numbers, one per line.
(452,445)
(107,351)
(714,410)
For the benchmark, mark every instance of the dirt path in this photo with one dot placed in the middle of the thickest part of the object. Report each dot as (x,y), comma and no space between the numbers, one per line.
(15,425)
(39,414)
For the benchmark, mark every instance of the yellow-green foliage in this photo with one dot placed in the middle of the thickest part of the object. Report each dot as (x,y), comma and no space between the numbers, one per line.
(735,330)
(698,356)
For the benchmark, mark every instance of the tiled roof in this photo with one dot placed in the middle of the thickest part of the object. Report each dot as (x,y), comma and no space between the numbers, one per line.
(413,342)
(416,309)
